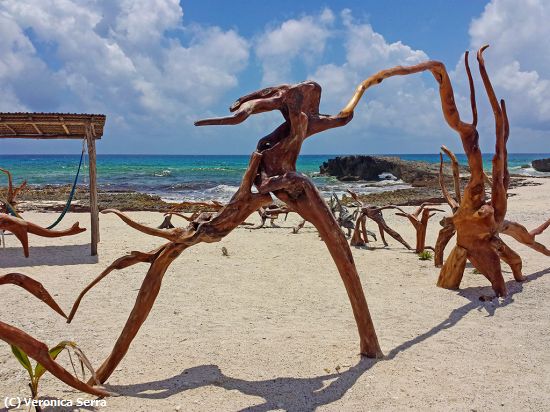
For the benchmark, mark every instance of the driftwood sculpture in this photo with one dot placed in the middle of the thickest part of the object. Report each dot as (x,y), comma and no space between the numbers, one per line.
(196,207)
(272,170)
(345,218)
(360,232)
(34,348)
(513,229)
(8,204)
(478,222)
(271,212)
(420,223)
(21,229)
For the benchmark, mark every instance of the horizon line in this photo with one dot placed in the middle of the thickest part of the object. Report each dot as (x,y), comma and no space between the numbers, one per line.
(248,154)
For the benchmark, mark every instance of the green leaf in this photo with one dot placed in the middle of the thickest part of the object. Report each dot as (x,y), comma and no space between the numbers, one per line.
(22,358)
(54,352)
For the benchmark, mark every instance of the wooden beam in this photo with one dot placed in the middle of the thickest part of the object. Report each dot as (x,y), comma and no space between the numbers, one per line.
(9,128)
(37,129)
(94,208)
(64,125)
(46,136)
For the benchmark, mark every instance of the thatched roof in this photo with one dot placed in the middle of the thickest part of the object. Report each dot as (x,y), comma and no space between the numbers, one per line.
(50,125)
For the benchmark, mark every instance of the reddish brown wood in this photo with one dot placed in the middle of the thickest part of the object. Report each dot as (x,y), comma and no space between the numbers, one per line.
(11,193)
(476,221)
(359,237)
(420,223)
(272,170)
(271,212)
(21,229)
(34,348)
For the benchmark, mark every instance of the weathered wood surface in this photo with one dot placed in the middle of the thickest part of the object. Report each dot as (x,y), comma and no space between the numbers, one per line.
(419,219)
(36,349)
(10,201)
(374,213)
(21,229)
(272,170)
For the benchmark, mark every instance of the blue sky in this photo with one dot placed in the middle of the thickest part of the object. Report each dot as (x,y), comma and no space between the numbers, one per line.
(155,66)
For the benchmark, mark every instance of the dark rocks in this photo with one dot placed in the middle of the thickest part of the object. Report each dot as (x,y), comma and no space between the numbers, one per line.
(369,168)
(541,165)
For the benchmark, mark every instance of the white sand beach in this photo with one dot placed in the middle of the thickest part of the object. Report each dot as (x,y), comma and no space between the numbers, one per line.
(270,326)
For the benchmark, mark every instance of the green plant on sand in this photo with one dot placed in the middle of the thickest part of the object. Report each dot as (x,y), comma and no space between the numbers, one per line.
(425,255)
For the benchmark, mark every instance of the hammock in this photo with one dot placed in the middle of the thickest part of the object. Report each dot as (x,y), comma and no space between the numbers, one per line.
(13,212)
(71,195)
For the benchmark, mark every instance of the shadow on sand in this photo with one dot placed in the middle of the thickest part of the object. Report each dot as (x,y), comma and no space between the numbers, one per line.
(305,394)
(12,257)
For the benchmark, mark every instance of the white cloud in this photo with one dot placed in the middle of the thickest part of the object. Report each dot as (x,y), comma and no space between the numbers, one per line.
(278,48)
(406,106)
(518,60)
(123,58)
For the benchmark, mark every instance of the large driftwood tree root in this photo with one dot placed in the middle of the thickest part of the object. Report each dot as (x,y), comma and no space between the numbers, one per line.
(34,348)
(21,229)
(507,227)
(478,222)
(374,213)
(272,170)
(420,223)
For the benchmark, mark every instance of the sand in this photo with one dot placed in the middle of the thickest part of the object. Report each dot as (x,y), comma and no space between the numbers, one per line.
(270,327)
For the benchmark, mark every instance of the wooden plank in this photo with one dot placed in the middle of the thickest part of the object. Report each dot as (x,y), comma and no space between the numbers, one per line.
(94,208)
(9,128)
(37,129)
(46,136)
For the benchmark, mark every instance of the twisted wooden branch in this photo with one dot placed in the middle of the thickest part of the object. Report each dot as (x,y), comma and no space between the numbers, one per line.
(34,348)
(21,228)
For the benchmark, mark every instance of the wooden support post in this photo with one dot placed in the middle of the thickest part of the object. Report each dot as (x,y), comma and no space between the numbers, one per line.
(94,209)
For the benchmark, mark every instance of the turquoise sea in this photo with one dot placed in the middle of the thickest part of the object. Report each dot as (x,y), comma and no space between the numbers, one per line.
(187,177)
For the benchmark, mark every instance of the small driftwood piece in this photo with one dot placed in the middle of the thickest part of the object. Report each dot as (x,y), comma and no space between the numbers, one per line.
(34,348)
(419,219)
(344,217)
(272,170)
(374,213)
(198,207)
(21,229)
(271,212)
(11,195)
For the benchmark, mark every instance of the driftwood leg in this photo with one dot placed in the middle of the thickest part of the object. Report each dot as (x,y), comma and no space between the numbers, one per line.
(385,228)
(310,205)
(520,233)
(144,302)
(381,230)
(356,239)
(445,234)
(364,229)
(511,258)
(452,271)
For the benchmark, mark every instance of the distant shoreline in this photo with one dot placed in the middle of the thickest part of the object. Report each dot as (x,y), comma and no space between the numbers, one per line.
(50,198)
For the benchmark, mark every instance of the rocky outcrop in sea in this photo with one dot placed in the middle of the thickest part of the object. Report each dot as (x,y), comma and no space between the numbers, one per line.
(376,168)
(541,165)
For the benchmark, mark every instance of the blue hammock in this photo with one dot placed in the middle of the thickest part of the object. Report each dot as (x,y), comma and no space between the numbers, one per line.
(71,195)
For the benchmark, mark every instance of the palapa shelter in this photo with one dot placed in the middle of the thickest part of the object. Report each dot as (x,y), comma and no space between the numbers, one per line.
(87,127)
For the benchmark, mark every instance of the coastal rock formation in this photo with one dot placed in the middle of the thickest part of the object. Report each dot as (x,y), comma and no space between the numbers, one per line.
(541,165)
(361,167)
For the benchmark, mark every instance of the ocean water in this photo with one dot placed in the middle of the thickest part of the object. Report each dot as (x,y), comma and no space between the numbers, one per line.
(187,177)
